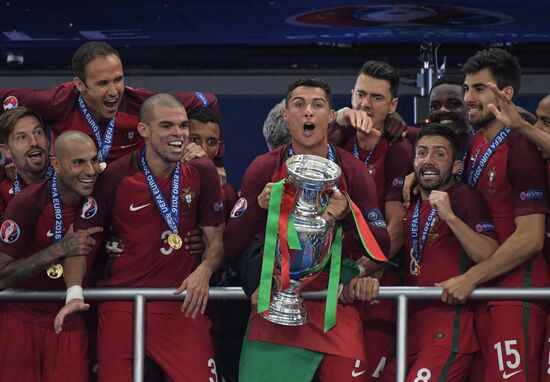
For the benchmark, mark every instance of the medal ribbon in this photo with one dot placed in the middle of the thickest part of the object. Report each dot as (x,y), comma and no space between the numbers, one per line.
(170,215)
(283,226)
(463,163)
(104,144)
(367,239)
(57,211)
(371,153)
(477,168)
(418,243)
(18,182)
(270,244)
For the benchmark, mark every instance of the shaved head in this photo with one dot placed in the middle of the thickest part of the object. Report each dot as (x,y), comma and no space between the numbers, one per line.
(161,99)
(69,139)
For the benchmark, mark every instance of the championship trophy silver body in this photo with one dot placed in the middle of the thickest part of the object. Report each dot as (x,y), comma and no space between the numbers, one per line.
(312,176)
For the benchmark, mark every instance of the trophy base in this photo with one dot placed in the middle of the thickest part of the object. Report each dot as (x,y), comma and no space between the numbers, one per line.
(286,308)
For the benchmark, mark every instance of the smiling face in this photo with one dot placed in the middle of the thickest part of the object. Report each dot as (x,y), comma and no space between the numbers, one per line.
(477,96)
(28,146)
(166,135)
(447,107)
(308,115)
(373,96)
(77,168)
(206,135)
(102,87)
(434,166)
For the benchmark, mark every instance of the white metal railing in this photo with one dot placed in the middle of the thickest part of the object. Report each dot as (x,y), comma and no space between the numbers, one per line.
(141,295)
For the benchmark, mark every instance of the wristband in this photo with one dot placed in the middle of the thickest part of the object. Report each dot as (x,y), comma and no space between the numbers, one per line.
(74,292)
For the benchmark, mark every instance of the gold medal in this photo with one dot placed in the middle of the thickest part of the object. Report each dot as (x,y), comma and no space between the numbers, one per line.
(416,269)
(174,241)
(102,166)
(55,271)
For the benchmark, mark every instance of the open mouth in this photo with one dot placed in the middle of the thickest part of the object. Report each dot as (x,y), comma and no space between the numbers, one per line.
(35,155)
(309,128)
(429,174)
(111,104)
(176,145)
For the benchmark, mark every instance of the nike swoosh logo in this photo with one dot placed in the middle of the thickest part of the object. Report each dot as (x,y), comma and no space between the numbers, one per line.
(137,208)
(122,147)
(357,373)
(49,233)
(507,376)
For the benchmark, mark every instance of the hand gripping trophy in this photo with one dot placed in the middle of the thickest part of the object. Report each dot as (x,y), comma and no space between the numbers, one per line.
(302,240)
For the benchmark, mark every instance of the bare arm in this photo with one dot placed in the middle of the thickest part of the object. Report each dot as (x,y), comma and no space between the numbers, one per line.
(13,272)
(197,283)
(527,239)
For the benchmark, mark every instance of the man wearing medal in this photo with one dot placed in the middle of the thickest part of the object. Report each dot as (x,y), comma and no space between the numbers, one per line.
(24,141)
(375,93)
(297,353)
(36,235)
(462,234)
(97,102)
(140,197)
(511,333)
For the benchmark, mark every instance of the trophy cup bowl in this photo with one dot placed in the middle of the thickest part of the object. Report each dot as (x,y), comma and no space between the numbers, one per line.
(312,176)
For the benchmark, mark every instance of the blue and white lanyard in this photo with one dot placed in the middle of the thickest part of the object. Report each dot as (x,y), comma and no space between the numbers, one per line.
(418,243)
(17,183)
(57,211)
(478,167)
(371,153)
(331,156)
(170,215)
(104,143)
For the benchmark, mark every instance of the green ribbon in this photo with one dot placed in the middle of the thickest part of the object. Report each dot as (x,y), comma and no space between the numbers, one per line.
(292,236)
(334,279)
(270,243)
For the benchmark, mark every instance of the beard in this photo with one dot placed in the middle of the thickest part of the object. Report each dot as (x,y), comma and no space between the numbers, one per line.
(444,180)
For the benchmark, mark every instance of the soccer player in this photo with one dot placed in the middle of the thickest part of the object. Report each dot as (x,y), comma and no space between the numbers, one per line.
(375,93)
(511,175)
(24,142)
(96,102)
(447,228)
(151,201)
(36,235)
(338,354)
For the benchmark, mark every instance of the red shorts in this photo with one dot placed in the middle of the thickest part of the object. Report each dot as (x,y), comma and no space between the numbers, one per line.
(511,338)
(341,369)
(31,353)
(434,363)
(180,345)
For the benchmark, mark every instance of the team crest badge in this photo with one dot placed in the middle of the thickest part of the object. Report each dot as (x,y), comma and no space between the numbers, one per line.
(218,206)
(239,208)
(9,232)
(130,135)
(187,195)
(10,102)
(89,209)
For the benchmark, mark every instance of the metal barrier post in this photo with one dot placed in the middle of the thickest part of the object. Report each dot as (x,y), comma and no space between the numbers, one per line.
(401,341)
(139,329)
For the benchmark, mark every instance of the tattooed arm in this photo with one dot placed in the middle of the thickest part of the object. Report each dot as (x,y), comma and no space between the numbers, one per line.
(14,271)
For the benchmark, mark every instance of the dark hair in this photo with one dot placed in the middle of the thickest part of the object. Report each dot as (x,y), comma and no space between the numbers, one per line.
(437,129)
(309,83)
(204,114)
(87,52)
(449,80)
(503,67)
(382,71)
(9,119)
